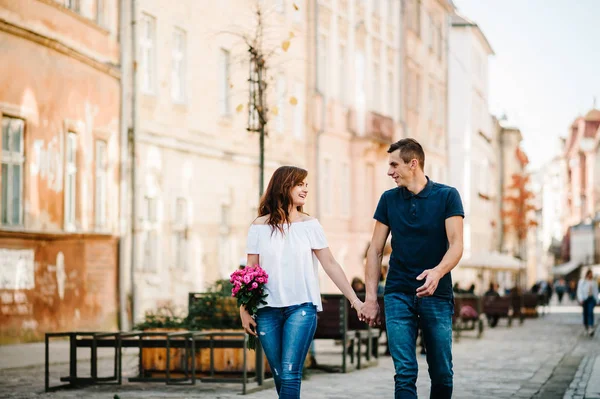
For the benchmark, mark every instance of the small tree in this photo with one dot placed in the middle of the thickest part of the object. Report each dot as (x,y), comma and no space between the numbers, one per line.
(517,214)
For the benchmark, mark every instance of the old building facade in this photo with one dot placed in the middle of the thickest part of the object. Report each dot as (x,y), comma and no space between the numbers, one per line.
(425,61)
(355,104)
(196,166)
(473,160)
(59,109)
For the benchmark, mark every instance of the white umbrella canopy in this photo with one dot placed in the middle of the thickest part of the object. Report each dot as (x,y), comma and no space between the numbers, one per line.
(492,260)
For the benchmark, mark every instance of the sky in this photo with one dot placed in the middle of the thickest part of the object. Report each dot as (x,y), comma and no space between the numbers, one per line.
(546,67)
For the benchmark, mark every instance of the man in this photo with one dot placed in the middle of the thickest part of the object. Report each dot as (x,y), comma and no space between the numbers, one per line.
(426,223)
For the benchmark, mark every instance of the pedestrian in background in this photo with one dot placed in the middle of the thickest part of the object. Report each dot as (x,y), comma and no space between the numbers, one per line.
(587,296)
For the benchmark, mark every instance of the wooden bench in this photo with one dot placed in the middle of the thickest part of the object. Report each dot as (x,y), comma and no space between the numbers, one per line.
(530,305)
(500,307)
(188,341)
(332,323)
(464,322)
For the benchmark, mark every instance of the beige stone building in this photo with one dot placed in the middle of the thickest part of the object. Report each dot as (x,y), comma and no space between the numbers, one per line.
(59,166)
(195,172)
(472,159)
(425,106)
(355,112)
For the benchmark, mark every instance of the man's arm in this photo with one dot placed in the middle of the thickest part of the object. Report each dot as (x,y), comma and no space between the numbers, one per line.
(373,271)
(454,231)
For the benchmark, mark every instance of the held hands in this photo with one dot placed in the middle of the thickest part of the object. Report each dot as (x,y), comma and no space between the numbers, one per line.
(247,321)
(369,312)
(432,278)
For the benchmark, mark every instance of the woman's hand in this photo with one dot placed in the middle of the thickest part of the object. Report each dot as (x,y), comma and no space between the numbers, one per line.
(358,305)
(247,321)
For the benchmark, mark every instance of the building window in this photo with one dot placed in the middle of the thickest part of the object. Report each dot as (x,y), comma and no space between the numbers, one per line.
(299,111)
(180,233)
(73,5)
(376,87)
(327,192)
(342,82)
(322,64)
(148,58)
(390,12)
(281,92)
(224,77)
(441,117)
(100,17)
(431,36)
(225,240)
(413,15)
(345,189)
(369,187)
(360,90)
(179,66)
(280,6)
(390,94)
(432,103)
(150,234)
(299,10)
(101,195)
(11,181)
(70,193)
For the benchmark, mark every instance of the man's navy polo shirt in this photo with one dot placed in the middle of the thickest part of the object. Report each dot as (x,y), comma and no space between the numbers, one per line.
(419,240)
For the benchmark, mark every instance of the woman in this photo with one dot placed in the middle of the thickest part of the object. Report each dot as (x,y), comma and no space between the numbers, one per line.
(286,242)
(587,295)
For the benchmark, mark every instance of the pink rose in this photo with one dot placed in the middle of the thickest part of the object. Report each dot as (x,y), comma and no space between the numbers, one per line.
(254,286)
(247,279)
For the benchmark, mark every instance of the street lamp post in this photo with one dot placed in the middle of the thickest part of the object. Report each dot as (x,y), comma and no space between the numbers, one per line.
(257,109)
(257,120)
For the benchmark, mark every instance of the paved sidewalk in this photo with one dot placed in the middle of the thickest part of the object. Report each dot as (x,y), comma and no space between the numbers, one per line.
(544,358)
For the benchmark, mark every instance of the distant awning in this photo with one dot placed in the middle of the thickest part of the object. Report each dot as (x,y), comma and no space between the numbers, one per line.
(566,268)
(493,261)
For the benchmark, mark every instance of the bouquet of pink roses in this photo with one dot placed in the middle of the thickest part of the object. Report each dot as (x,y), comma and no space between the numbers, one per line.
(248,288)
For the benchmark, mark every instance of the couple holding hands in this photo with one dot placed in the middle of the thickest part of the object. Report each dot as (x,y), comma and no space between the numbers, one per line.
(425,220)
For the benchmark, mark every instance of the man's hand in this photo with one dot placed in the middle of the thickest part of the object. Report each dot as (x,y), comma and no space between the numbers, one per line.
(432,278)
(370,313)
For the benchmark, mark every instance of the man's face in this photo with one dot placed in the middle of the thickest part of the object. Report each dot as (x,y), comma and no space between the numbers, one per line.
(400,171)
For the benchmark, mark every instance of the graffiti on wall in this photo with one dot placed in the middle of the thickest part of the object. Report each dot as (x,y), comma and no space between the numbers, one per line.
(17,270)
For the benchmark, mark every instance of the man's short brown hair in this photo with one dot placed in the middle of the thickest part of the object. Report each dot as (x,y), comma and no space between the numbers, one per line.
(409,149)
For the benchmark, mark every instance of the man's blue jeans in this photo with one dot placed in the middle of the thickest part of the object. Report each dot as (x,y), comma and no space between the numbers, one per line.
(286,334)
(403,312)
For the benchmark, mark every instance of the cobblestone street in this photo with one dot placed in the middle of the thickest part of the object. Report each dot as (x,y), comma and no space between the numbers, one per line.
(546,357)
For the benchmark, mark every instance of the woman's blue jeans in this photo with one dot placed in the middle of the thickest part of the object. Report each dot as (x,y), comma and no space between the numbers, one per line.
(286,334)
(403,314)
(588,311)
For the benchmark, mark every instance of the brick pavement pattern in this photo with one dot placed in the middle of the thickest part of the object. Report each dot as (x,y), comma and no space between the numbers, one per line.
(543,358)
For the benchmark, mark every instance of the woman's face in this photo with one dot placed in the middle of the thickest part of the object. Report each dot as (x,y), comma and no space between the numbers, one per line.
(299,193)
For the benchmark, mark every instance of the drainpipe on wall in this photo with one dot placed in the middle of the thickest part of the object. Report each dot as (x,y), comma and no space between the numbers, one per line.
(132,142)
(123,159)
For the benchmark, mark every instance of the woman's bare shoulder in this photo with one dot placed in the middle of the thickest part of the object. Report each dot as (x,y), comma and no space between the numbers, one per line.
(261,220)
(307,218)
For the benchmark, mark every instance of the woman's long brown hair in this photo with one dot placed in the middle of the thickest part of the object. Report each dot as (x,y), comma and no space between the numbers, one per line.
(276,201)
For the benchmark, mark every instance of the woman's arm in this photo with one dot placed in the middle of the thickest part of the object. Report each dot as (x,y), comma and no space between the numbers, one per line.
(337,275)
(248,322)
